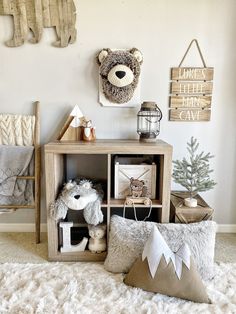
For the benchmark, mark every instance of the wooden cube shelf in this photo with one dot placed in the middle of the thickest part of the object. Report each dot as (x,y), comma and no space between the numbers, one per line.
(100,155)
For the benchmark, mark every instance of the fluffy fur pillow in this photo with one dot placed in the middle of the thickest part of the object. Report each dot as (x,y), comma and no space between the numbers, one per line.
(127,238)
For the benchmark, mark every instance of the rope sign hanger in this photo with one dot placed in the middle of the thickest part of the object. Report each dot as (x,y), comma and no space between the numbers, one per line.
(199,50)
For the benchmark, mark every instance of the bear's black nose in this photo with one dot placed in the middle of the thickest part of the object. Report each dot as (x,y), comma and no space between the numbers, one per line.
(77,197)
(120,74)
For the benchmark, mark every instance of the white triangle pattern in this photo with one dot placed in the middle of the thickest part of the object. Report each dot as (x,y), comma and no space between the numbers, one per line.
(77,114)
(156,247)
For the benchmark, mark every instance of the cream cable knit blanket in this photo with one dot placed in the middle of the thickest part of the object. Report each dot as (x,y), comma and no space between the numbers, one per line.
(17,130)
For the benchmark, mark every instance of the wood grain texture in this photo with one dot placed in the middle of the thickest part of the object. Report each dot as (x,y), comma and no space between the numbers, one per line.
(192,74)
(72,134)
(37,171)
(189,115)
(55,174)
(108,147)
(191,88)
(109,170)
(166,186)
(51,184)
(190,102)
(183,214)
(34,15)
(119,203)
(65,127)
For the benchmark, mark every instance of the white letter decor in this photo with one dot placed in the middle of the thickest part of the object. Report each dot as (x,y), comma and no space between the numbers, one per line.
(66,239)
(119,77)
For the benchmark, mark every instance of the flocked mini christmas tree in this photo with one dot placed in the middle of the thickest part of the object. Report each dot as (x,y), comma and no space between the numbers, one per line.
(193,173)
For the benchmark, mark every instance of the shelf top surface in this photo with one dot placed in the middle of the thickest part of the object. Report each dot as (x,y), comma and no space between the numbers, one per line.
(108,146)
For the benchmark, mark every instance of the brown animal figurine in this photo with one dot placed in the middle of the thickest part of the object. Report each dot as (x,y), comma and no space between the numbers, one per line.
(138,188)
(97,242)
(88,131)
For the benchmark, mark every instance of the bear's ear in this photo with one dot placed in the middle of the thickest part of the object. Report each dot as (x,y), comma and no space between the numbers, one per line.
(69,185)
(137,54)
(87,185)
(102,55)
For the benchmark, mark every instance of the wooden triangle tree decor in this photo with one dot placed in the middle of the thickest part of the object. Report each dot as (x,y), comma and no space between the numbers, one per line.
(71,130)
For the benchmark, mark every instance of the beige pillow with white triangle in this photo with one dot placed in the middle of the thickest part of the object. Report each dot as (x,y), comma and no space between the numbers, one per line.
(162,271)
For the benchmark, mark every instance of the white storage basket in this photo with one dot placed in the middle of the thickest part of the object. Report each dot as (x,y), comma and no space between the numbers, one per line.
(144,172)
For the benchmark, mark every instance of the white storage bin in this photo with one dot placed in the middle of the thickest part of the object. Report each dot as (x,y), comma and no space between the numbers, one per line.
(124,172)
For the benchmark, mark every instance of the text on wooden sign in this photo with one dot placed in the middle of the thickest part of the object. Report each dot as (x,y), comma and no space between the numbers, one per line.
(190,102)
(191,90)
(189,74)
(190,115)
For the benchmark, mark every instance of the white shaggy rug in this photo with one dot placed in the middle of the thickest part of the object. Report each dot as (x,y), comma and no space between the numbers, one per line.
(81,288)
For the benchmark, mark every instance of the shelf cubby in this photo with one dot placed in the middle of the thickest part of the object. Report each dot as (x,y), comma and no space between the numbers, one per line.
(95,160)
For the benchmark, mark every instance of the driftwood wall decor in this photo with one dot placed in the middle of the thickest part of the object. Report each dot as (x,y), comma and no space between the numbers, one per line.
(34,15)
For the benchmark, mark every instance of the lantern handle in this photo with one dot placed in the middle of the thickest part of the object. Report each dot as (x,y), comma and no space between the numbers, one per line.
(160,113)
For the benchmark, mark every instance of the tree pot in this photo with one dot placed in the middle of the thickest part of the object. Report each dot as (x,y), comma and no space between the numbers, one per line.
(190,202)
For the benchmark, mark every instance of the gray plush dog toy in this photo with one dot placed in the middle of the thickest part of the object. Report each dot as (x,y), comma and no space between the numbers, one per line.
(79,196)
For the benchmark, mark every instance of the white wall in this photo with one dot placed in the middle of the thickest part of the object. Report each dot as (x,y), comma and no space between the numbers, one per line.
(162,30)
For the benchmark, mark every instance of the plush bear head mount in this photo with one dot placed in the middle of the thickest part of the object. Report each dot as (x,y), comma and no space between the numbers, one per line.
(79,196)
(119,72)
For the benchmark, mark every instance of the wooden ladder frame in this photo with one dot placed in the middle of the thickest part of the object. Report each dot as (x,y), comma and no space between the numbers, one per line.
(36,177)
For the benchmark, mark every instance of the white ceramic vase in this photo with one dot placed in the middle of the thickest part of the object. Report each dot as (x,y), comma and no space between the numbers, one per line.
(190,202)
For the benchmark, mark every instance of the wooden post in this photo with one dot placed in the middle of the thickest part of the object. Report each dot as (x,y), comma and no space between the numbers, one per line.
(37,168)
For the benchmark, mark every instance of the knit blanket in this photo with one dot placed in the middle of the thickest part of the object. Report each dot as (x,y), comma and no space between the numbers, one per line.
(17,129)
(16,161)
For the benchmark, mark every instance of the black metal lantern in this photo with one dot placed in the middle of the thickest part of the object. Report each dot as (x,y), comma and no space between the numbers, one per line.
(148,123)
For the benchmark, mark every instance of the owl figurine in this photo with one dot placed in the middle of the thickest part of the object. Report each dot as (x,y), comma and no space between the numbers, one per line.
(97,241)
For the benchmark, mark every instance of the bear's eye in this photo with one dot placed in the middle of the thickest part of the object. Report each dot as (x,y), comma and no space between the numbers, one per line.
(103,76)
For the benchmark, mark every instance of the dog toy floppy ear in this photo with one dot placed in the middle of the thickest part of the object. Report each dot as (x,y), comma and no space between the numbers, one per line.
(58,210)
(93,213)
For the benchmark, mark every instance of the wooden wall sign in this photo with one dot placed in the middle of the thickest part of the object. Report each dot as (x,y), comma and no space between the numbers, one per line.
(34,15)
(191,90)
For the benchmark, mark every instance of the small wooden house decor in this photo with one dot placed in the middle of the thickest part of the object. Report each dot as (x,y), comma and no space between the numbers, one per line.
(71,131)
(35,15)
(191,89)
